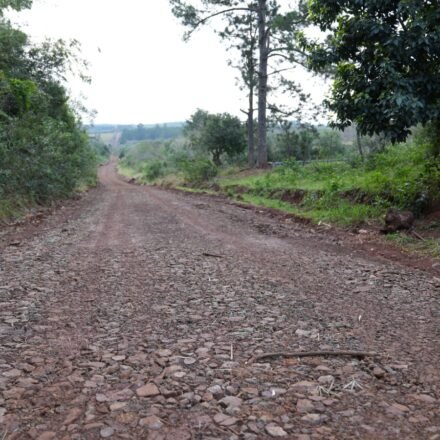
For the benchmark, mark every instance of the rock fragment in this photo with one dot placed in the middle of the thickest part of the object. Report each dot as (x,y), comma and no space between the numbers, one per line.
(148,390)
(275,430)
(151,422)
(304,406)
(73,415)
(48,435)
(225,420)
(106,432)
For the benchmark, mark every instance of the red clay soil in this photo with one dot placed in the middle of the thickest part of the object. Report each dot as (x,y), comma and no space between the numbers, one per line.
(138,313)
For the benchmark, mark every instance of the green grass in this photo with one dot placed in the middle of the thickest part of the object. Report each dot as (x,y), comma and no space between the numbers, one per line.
(397,170)
(343,213)
(14,208)
(126,171)
(430,246)
(340,192)
(194,190)
(269,203)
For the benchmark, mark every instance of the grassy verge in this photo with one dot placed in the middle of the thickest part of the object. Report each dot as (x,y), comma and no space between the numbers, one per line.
(17,206)
(127,172)
(429,246)
(342,213)
(13,208)
(340,192)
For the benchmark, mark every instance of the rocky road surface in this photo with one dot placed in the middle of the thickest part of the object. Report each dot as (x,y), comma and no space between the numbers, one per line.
(139,313)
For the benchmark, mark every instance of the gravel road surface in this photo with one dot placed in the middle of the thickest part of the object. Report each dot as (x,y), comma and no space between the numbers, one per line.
(139,313)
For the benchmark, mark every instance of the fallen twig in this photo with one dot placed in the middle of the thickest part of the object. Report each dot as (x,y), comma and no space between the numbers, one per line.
(352,385)
(358,354)
(207,254)
(417,235)
(321,223)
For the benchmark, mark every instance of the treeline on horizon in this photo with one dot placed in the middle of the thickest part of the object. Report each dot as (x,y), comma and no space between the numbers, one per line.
(158,131)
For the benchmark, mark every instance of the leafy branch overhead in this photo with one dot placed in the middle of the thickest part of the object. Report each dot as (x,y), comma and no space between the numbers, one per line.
(386,57)
(17,5)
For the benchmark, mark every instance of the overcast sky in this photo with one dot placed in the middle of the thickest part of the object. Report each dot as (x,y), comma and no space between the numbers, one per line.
(141,69)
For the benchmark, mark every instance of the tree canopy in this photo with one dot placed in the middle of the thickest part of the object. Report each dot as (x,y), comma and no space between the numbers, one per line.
(387,59)
(17,5)
(216,134)
(44,153)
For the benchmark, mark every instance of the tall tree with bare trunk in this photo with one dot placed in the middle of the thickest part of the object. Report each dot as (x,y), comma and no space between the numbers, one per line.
(276,39)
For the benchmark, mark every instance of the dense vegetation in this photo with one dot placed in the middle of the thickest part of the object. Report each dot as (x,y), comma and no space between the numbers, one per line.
(171,162)
(44,153)
(386,58)
(345,191)
(101,150)
(215,134)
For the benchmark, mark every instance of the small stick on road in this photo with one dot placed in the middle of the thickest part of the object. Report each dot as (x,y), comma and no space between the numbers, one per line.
(207,254)
(358,354)
(417,235)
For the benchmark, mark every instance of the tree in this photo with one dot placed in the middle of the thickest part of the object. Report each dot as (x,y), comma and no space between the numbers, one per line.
(296,142)
(243,34)
(194,128)
(387,58)
(287,140)
(330,144)
(275,39)
(216,134)
(17,5)
(44,153)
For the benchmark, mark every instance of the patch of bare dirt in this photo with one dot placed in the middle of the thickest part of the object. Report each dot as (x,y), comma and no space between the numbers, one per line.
(143,314)
(294,197)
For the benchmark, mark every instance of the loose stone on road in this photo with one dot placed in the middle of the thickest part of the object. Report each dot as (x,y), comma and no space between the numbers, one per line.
(117,321)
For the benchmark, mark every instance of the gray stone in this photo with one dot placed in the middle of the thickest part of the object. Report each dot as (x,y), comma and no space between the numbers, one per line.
(231,401)
(149,390)
(275,431)
(225,420)
(151,422)
(107,432)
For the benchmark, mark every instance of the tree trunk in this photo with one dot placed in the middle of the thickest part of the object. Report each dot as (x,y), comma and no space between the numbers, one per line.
(359,145)
(435,142)
(216,158)
(263,38)
(250,127)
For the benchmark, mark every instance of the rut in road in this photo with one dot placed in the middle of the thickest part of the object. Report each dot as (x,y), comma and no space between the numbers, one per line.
(136,318)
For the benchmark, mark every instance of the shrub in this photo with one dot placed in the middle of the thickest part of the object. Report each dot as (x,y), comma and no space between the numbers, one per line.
(154,170)
(198,170)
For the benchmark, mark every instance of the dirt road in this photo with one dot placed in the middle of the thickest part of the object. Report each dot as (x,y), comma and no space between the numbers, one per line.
(137,314)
